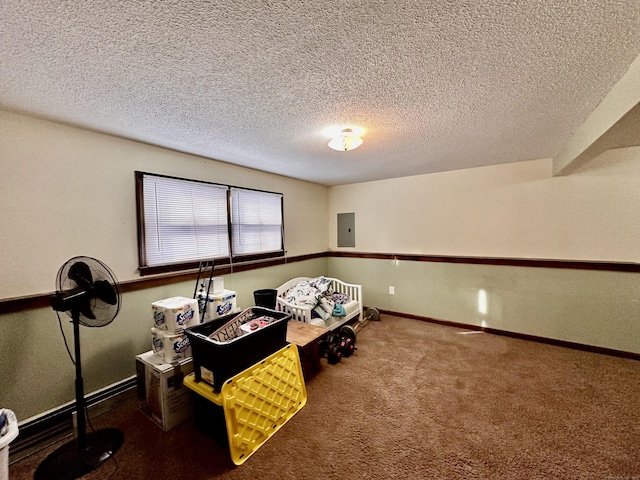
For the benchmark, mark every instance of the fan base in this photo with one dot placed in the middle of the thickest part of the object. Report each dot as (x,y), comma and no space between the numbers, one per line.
(70,461)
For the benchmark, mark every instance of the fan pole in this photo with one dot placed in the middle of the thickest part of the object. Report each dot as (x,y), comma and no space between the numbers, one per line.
(89,450)
(80,401)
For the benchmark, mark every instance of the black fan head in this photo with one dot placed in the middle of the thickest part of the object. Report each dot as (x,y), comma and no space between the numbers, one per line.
(87,287)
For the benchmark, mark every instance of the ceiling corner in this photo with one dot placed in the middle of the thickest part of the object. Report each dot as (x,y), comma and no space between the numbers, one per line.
(621,99)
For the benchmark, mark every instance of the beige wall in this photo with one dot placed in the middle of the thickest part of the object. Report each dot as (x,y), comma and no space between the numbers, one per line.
(516,210)
(67,192)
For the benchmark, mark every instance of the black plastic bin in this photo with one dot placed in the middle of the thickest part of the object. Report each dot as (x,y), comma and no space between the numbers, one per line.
(215,362)
(210,419)
(266,298)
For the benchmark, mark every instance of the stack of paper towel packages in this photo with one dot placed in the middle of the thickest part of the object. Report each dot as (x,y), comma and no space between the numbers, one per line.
(221,302)
(171,317)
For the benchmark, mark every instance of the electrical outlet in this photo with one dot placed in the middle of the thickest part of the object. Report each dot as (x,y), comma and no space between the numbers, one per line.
(392,290)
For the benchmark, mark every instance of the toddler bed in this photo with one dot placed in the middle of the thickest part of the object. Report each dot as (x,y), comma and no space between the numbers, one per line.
(322,301)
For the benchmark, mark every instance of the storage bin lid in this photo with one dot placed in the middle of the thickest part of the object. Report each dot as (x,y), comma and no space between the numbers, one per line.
(258,401)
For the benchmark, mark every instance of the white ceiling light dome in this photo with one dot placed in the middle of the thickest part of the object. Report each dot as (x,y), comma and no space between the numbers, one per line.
(346,139)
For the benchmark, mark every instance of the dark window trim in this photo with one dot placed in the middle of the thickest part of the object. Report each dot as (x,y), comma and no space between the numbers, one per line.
(140,218)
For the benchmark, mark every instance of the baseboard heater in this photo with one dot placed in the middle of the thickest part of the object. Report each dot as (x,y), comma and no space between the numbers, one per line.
(39,432)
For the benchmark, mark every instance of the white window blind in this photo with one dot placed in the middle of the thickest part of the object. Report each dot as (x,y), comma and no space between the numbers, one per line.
(184,220)
(256,221)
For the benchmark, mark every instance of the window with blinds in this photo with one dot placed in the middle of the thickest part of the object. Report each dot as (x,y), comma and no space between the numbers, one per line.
(181,222)
(256,221)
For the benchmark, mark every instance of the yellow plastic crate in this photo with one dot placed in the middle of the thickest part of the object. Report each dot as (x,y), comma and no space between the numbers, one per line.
(258,401)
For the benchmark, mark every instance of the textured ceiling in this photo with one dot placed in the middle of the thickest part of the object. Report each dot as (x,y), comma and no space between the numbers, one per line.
(438,85)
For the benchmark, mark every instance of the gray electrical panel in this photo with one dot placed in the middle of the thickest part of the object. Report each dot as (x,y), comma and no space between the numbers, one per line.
(346,229)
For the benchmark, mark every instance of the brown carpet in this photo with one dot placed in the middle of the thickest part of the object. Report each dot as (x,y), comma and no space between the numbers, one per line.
(419,401)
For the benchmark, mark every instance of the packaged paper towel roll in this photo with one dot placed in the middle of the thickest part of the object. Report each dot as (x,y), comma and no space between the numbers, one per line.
(175,314)
(170,347)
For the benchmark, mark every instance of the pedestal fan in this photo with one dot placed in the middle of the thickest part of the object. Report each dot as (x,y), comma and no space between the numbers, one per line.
(87,291)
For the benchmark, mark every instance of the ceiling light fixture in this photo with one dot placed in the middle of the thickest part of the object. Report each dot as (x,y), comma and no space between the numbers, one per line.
(346,140)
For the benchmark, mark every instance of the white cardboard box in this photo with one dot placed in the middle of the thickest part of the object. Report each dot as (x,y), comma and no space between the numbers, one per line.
(221,304)
(175,314)
(161,394)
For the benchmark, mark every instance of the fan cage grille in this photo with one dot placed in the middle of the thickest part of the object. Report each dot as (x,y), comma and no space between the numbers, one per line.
(103,311)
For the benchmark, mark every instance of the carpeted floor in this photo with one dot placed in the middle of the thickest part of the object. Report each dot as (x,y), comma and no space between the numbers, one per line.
(419,401)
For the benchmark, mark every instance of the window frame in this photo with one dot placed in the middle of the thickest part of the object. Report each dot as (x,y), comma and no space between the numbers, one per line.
(145,269)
